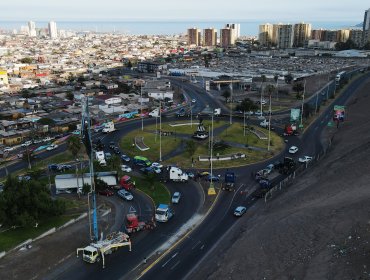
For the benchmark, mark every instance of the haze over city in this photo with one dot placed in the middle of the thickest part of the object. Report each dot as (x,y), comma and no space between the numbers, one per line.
(266,10)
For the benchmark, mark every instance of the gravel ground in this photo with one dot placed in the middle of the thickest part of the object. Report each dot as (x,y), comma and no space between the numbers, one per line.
(319,228)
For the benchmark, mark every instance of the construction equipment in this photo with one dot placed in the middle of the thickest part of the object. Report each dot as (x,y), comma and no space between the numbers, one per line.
(134,225)
(97,250)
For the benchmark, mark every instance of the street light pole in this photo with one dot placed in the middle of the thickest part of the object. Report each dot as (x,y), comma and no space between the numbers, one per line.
(191,115)
(244,123)
(160,131)
(231,103)
(141,107)
(304,91)
(211,184)
(268,145)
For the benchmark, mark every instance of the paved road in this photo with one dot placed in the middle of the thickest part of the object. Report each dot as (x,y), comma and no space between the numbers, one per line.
(182,260)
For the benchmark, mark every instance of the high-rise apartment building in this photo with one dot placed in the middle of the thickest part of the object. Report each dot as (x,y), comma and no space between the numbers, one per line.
(227,37)
(329,35)
(356,36)
(194,36)
(285,36)
(265,34)
(209,37)
(275,29)
(32,28)
(236,29)
(53,32)
(317,34)
(342,35)
(366,27)
(301,34)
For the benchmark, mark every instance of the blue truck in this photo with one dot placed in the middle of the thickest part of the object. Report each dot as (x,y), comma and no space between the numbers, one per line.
(229,181)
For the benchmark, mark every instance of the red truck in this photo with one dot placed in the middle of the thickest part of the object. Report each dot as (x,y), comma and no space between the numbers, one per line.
(134,225)
(290,129)
(126,183)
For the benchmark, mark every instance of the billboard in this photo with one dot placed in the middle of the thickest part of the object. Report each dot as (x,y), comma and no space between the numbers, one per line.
(339,113)
(295,114)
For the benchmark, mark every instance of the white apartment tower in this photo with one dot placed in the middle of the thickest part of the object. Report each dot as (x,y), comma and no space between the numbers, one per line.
(285,36)
(301,34)
(53,32)
(235,27)
(32,28)
(265,34)
(366,27)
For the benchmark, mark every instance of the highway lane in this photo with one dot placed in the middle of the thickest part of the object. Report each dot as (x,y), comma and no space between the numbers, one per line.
(191,251)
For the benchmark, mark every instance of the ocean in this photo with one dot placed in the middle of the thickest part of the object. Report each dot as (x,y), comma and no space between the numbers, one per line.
(247,28)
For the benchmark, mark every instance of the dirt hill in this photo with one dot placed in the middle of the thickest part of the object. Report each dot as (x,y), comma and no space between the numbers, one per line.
(320,227)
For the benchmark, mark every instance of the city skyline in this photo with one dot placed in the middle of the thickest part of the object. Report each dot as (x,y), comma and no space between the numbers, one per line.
(287,11)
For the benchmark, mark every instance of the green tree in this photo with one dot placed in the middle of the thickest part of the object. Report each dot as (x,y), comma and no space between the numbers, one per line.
(74,145)
(226,94)
(26,203)
(190,147)
(288,78)
(26,60)
(246,105)
(115,162)
(270,89)
(46,121)
(129,64)
(100,184)
(70,96)
(298,87)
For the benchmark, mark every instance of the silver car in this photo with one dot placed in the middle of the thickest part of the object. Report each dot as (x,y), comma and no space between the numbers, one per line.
(176,197)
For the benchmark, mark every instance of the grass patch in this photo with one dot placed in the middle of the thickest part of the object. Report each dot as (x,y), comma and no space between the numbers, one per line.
(159,193)
(13,237)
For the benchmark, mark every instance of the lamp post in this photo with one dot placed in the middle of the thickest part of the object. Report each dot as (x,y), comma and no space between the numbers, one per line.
(211,184)
(268,144)
(191,115)
(231,103)
(141,107)
(304,91)
(160,131)
(244,123)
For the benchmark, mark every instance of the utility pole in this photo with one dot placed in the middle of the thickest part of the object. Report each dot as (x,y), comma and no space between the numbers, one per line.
(141,107)
(191,115)
(304,91)
(160,131)
(231,103)
(212,153)
(28,158)
(244,122)
(268,145)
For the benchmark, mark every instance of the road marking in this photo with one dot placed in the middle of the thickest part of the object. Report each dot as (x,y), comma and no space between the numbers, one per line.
(176,264)
(196,244)
(132,209)
(170,259)
(202,247)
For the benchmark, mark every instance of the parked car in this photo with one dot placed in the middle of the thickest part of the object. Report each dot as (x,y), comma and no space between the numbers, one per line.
(304,159)
(24,178)
(270,168)
(8,149)
(26,144)
(126,168)
(213,177)
(239,211)
(190,175)
(125,195)
(293,149)
(106,192)
(108,156)
(52,147)
(112,145)
(176,197)
(157,164)
(117,151)
(46,139)
(125,158)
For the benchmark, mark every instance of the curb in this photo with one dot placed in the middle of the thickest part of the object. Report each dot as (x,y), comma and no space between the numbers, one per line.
(180,240)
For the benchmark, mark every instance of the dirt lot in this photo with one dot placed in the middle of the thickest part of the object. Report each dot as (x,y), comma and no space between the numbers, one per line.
(319,228)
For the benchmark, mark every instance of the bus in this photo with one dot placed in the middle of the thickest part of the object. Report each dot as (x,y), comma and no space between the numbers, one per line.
(338,77)
(142,161)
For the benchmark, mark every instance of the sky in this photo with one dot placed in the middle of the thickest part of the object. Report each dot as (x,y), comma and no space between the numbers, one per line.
(201,10)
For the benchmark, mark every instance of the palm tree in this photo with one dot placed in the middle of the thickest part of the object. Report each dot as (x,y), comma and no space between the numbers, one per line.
(74,145)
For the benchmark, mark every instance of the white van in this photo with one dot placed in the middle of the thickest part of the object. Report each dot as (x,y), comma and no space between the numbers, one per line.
(155,113)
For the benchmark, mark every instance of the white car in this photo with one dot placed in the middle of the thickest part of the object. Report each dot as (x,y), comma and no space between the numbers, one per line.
(305,159)
(193,100)
(8,149)
(156,164)
(264,123)
(239,211)
(52,147)
(156,169)
(46,139)
(26,144)
(293,149)
(125,195)
(126,168)
(176,197)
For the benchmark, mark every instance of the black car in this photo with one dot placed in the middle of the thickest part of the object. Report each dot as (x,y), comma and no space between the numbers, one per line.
(117,151)
(112,145)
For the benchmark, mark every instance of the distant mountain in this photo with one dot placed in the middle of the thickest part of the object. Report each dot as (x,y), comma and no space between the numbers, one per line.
(359,25)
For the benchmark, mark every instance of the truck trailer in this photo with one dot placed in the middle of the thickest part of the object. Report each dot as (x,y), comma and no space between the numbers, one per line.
(229,182)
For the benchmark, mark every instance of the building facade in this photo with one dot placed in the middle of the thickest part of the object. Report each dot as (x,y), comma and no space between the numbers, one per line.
(32,28)
(342,35)
(236,29)
(227,38)
(356,36)
(265,34)
(194,36)
(301,34)
(285,36)
(209,37)
(366,27)
(53,31)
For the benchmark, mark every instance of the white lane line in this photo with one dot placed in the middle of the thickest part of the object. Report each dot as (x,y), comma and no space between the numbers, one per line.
(170,259)
(176,264)
(196,244)
(202,247)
